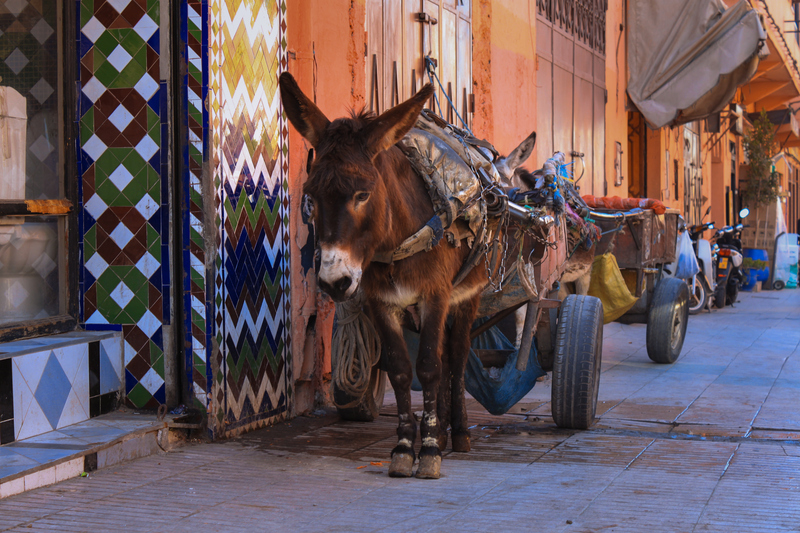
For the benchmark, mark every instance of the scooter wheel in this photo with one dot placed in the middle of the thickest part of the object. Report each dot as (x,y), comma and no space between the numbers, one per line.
(779,285)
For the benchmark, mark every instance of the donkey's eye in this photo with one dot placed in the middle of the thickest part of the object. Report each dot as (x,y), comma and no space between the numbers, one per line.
(362,196)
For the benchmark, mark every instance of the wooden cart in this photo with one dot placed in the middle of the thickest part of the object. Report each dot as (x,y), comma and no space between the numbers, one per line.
(643,243)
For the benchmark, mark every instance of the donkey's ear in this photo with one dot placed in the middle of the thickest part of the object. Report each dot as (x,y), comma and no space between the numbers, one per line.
(306,117)
(520,154)
(393,124)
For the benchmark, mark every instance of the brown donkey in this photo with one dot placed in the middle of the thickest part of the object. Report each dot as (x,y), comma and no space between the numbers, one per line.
(365,198)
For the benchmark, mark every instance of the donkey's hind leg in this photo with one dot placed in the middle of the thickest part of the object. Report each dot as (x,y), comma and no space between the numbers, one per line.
(429,371)
(443,401)
(400,375)
(463,317)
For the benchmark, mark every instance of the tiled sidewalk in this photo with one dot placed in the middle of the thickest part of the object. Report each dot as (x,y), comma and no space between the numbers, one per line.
(710,443)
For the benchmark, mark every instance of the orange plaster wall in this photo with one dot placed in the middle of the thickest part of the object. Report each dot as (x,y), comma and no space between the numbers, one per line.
(504,71)
(330,33)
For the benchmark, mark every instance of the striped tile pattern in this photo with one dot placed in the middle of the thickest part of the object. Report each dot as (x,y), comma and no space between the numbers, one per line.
(122,110)
(249,146)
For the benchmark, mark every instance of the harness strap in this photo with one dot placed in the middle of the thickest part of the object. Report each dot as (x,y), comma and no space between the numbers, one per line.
(422,241)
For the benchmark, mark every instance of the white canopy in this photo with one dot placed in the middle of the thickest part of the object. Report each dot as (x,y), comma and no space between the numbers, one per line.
(687,57)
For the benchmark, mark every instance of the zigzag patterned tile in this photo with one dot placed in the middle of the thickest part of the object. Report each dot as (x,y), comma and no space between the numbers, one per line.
(251,289)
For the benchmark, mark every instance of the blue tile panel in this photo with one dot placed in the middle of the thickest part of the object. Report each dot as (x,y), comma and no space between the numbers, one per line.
(52,389)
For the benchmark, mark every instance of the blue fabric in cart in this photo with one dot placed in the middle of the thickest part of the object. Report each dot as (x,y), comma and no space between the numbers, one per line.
(496,395)
(499,395)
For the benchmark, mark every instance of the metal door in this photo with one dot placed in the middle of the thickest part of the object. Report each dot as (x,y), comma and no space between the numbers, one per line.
(571,95)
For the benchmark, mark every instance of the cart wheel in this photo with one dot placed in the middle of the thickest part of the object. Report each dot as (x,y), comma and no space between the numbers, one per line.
(576,362)
(667,320)
(779,284)
(698,300)
(370,405)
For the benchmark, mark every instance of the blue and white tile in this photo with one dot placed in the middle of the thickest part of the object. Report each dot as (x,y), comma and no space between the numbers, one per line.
(71,358)
(53,390)
(113,351)
(31,366)
(32,421)
(74,410)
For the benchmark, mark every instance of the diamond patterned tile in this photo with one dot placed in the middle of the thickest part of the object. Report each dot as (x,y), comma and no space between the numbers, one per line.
(17,61)
(146,86)
(93,89)
(146,27)
(152,381)
(120,118)
(52,391)
(121,235)
(41,148)
(119,58)
(42,31)
(119,5)
(16,6)
(122,294)
(149,323)
(93,29)
(41,90)
(147,147)
(121,177)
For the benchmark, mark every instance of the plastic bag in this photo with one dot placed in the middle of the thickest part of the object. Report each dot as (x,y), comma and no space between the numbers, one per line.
(687,260)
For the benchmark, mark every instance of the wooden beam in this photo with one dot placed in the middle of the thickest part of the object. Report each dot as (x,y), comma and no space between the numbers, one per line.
(765,67)
(34,207)
(754,91)
(774,101)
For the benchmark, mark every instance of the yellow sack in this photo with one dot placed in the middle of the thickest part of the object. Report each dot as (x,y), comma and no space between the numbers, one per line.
(609,285)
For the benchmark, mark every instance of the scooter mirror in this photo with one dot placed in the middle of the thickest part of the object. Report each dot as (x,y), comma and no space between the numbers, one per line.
(744,212)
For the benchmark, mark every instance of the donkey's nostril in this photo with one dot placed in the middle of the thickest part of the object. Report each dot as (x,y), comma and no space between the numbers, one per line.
(343,284)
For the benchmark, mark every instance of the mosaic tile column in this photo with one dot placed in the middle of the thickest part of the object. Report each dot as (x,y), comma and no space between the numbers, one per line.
(194,32)
(248,157)
(122,110)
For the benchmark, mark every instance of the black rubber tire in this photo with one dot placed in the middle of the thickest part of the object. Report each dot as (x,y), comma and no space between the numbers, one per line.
(700,296)
(370,405)
(576,362)
(667,320)
(721,293)
(779,285)
(733,293)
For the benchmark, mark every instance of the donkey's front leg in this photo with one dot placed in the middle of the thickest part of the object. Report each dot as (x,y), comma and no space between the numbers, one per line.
(429,371)
(463,317)
(398,365)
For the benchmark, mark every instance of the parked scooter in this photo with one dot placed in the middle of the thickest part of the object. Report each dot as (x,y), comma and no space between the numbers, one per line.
(702,286)
(729,257)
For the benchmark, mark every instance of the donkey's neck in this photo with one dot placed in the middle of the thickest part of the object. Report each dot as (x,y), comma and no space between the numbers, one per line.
(410,205)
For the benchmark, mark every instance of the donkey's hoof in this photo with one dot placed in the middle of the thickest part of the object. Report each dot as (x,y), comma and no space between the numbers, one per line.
(461,442)
(442,440)
(430,467)
(401,466)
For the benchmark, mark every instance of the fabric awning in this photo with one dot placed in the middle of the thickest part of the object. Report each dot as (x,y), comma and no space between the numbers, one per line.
(686,58)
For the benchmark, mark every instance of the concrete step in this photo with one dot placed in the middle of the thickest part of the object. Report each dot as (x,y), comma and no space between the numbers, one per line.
(82,448)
